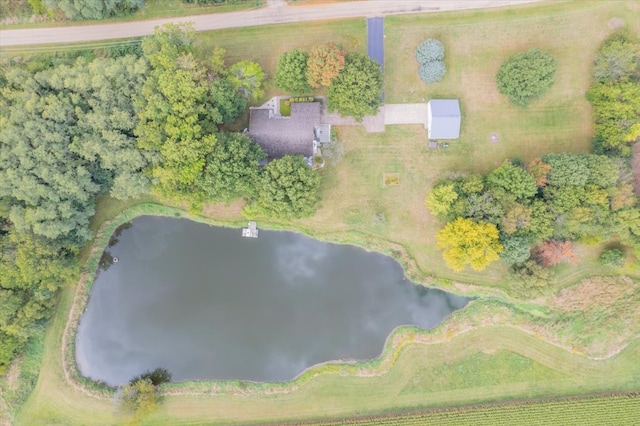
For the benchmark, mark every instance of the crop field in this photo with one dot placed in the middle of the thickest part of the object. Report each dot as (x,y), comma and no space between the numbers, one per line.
(618,410)
(504,352)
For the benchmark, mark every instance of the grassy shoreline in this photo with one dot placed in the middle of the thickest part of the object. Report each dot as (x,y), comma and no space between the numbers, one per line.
(464,323)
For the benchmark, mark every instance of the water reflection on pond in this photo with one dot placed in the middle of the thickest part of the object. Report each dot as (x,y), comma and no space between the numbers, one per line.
(207,304)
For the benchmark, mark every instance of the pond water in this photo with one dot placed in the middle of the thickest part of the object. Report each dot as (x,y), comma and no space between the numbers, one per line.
(205,303)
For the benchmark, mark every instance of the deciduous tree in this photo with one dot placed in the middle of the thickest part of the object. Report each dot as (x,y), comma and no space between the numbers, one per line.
(441,198)
(567,169)
(540,170)
(287,188)
(325,63)
(173,110)
(357,91)
(291,72)
(94,9)
(618,59)
(247,78)
(515,249)
(231,169)
(514,180)
(465,242)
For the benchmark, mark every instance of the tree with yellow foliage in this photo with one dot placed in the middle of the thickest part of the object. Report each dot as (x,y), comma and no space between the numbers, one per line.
(466,242)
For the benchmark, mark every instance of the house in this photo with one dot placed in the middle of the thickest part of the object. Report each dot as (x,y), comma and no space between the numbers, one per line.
(443,119)
(298,134)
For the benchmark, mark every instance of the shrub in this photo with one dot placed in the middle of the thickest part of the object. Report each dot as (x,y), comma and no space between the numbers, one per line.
(156,377)
(526,76)
(516,250)
(432,72)
(613,257)
(429,50)
(530,278)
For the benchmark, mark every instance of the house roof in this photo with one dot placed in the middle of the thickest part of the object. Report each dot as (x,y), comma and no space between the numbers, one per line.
(280,136)
(444,119)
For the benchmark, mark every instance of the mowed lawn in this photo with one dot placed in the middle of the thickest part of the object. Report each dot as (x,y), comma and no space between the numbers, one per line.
(485,364)
(475,44)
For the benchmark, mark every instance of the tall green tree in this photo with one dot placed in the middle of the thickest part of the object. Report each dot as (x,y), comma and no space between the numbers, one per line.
(513,179)
(357,91)
(617,116)
(618,59)
(231,169)
(287,188)
(247,78)
(291,72)
(567,169)
(176,121)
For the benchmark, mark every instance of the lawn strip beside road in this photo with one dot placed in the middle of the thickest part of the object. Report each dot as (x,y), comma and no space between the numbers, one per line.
(258,17)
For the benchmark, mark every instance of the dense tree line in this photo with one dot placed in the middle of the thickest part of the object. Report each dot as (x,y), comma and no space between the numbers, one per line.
(537,210)
(32,269)
(88,9)
(67,136)
(615,94)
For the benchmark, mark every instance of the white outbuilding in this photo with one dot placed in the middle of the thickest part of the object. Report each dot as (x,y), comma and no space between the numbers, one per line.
(443,119)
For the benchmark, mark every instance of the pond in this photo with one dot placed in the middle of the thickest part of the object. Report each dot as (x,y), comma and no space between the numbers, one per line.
(207,304)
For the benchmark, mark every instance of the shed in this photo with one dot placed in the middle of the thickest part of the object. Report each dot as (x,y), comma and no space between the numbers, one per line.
(443,119)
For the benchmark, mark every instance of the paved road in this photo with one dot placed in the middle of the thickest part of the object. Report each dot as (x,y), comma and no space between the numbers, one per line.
(269,15)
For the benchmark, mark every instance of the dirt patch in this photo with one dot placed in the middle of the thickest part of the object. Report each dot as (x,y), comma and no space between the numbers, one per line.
(635,163)
(13,373)
(615,23)
(221,211)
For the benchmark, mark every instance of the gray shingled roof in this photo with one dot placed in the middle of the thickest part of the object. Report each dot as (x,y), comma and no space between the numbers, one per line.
(444,118)
(280,136)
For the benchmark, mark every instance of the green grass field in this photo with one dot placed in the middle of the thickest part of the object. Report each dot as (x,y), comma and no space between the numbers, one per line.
(490,352)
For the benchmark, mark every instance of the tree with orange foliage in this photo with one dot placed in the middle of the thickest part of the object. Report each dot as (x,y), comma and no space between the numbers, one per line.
(553,252)
(324,64)
(539,169)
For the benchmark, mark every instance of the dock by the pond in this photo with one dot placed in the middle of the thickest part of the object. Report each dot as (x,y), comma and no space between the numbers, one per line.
(251,231)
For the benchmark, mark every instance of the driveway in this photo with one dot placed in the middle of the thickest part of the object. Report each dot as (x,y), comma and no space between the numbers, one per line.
(375,40)
(270,15)
(405,114)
